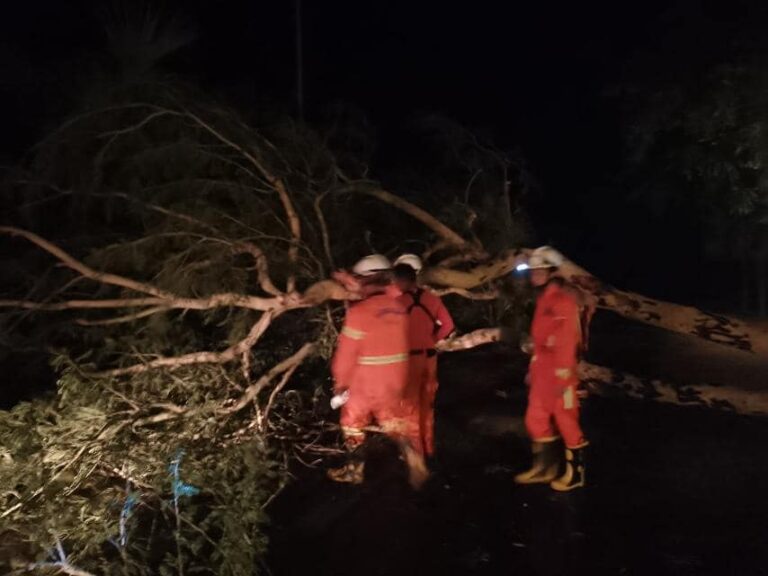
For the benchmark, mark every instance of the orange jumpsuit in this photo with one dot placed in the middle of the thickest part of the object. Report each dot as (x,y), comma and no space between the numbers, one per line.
(430,322)
(556,335)
(371,361)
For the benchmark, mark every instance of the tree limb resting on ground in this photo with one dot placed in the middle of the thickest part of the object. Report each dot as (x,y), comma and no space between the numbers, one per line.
(608,382)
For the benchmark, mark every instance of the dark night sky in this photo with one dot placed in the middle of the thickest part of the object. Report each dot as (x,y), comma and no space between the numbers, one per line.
(531,74)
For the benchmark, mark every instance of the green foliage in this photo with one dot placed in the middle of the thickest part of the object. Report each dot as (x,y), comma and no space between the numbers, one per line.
(165,187)
(66,464)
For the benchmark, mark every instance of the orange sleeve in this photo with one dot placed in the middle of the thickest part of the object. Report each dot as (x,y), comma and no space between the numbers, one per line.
(565,332)
(446,322)
(347,350)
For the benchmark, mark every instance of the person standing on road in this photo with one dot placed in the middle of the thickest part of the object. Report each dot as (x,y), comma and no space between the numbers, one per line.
(370,366)
(429,323)
(553,404)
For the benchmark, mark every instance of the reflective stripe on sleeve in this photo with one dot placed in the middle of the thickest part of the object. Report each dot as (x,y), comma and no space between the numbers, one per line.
(352,333)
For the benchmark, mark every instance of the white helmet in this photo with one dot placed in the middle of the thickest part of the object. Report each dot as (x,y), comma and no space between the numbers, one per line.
(543,257)
(371,265)
(411,260)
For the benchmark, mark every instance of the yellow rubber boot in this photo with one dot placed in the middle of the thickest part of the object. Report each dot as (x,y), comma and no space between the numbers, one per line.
(575,471)
(351,473)
(545,464)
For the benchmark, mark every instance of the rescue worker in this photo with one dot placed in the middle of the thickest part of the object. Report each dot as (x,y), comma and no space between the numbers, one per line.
(371,364)
(430,322)
(552,400)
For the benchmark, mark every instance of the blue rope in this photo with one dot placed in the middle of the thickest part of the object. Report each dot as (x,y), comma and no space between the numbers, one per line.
(179,487)
(125,514)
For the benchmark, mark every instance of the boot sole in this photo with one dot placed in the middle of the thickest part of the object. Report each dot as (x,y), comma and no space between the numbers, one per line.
(525,482)
(559,488)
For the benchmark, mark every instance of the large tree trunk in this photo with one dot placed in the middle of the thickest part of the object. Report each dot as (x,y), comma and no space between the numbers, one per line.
(675,317)
(608,382)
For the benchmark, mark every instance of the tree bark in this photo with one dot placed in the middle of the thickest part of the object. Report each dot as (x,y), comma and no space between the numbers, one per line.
(608,382)
(674,317)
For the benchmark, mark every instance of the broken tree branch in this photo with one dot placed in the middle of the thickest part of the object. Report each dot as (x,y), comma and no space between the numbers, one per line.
(469,340)
(443,231)
(227,355)
(253,390)
(674,317)
(123,319)
(283,381)
(277,184)
(86,271)
(487,295)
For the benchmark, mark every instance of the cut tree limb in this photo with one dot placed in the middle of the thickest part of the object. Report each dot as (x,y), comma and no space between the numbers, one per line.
(487,295)
(476,276)
(669,316)
(470,340)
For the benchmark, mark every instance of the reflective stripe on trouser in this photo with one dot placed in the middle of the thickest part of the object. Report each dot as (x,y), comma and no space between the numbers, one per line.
(547,415)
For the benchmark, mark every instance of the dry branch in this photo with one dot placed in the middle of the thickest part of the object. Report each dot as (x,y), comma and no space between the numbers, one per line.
(283,381)
(260,259)
(487,295)
(447,234)
(277,184)
(470,340)
(227,355)
(262,266)
(253,390)
(112,303)
(474,277)
(123,319)
(86,271)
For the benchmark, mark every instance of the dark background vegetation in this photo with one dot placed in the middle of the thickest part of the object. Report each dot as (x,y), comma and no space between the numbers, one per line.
(560,85)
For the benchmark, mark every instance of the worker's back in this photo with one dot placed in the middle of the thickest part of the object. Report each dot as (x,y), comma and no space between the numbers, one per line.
(429,319)
(372,355)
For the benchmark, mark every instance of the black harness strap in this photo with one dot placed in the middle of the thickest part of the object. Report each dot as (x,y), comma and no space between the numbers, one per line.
(416,296)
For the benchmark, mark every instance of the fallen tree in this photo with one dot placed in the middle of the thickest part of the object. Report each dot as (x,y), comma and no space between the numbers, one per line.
(213,292)
(687,320)
(615,383)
